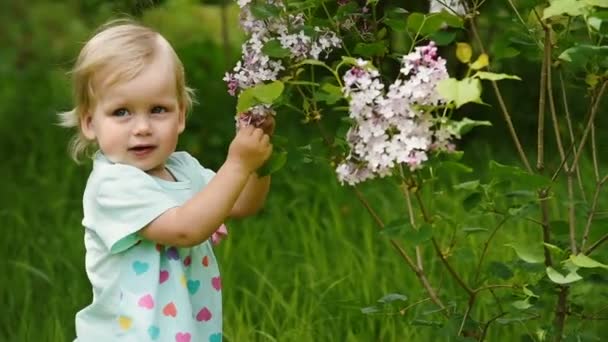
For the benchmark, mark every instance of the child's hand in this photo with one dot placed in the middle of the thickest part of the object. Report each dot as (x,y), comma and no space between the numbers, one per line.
(268,125)
(250,148)
(265,122)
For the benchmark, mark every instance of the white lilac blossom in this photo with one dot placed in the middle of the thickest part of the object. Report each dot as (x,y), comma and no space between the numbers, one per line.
(452,6)
(254,116)
(256,67)
(392,127)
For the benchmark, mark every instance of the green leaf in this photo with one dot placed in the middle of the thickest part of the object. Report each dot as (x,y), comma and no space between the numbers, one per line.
(473,230)
(452,167)
(370,310)
(396,227)
(518,176)
(558,278)
(471,185)
(580,55)
(464,126)
(264,10)
(261,93)
(245,101)
(417,236)
(273,48)
(450,19)
(521,304)
(442,38)
(346,10)
(329,93)
(267,93)
(584,261)
(527,253)
(598,3)
(392,297)
(371,49)
(558,7)
(402,228)
(460,92)
(500,270)
(415,21)
(553,248)
(529,293)
(398,25)
(472,201)
(486,75)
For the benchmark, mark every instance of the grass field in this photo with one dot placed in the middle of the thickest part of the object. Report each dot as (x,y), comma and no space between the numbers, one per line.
(300,271)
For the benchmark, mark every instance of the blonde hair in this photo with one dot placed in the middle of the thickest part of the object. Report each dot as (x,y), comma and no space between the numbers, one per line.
(120,50)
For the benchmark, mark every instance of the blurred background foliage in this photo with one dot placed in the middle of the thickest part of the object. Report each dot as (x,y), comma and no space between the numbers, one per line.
(40,198)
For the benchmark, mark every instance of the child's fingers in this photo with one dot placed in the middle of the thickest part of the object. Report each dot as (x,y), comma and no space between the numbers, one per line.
(265,140)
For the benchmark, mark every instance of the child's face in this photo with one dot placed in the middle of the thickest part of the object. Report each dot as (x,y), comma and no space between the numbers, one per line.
(137,122)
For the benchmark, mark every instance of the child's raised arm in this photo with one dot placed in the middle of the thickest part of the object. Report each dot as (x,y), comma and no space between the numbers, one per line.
(194,222)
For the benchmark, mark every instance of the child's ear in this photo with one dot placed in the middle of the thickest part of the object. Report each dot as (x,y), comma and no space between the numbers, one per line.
(86,126)
(182,119)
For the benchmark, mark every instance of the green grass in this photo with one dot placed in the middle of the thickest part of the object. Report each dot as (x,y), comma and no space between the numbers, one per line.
(300,271)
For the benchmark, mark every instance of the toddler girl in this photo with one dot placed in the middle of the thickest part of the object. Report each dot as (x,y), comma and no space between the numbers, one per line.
(149,212)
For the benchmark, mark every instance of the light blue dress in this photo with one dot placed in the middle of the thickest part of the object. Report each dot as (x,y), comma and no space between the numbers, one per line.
(143,291)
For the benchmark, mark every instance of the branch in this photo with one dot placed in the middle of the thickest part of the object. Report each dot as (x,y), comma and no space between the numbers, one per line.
(455,275)
(544,206)
(571,132)
(596,244)
(503,107)
(485,248)
(540,136)
(560,313)
(590,122)
(495,286)
(596,196)
(419,273)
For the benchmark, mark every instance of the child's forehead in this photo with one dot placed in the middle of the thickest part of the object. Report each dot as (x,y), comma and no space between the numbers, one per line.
(159,68)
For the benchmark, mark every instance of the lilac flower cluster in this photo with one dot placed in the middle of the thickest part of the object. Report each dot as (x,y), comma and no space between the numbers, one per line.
(255,66)
(396,126)
(455,6)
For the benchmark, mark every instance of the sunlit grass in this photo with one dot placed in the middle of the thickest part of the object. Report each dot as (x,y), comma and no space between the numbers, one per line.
(300,271)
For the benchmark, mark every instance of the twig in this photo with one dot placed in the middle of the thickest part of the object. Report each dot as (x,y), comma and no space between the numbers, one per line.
(596,196)
(596,244)
(503,107)
(402,311)
(470,305)
(410,211)
(495,286)
(419,273)
(485,248)
(596,168)
(571,132)
(447,265)
(560,147)
(484,331)
(544,206)
(540,136)
(560,313)
(594,111)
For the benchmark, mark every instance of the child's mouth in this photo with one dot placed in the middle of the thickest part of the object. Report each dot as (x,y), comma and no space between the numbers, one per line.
(142,150)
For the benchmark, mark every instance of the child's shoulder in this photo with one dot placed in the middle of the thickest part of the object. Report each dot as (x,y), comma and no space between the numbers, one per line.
(184,160)
(115,175)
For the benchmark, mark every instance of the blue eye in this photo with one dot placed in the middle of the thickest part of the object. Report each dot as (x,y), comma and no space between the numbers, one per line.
(120,112)
(159,109)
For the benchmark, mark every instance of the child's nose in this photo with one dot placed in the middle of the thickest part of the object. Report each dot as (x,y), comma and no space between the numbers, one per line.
(142,125)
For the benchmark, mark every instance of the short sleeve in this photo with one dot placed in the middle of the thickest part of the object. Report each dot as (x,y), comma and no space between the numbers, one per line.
(125,200)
